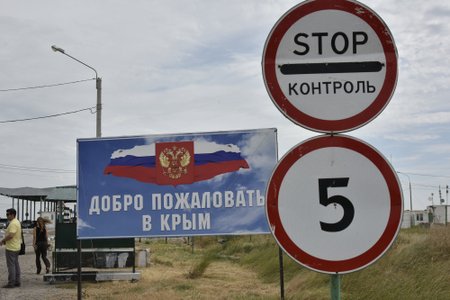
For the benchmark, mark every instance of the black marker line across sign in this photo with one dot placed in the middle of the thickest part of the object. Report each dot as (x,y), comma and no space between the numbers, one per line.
(321,68)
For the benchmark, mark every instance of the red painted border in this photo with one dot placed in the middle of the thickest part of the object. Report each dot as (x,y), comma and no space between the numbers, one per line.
(305,120)
(308,260)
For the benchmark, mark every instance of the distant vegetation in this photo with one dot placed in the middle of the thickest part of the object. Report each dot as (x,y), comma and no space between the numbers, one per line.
(246,267)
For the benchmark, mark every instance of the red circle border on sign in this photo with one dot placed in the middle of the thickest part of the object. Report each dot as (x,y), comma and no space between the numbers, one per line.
(306,259)
(303,119)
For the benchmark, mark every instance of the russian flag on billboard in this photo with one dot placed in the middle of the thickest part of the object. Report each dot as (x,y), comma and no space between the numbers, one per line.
(174,163)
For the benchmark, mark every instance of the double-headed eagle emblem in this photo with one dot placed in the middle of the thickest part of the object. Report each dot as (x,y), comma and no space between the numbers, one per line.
(174,161)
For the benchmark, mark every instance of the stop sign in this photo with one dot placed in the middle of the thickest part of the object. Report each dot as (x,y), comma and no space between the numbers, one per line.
(330,66)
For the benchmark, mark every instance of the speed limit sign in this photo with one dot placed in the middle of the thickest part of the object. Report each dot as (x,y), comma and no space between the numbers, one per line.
(334,204)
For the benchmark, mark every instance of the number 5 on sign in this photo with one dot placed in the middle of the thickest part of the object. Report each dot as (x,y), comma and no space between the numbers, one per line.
(334,204)
(349,210)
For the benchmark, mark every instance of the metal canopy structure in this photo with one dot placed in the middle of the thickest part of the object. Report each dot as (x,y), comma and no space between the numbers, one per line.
(24,199)
(63,193)
(25,193)
(59,193)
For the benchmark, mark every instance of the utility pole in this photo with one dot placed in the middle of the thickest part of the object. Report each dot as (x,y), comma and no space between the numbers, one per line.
(446,204)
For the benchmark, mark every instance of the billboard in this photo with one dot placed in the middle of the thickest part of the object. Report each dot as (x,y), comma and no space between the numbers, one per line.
(174,185)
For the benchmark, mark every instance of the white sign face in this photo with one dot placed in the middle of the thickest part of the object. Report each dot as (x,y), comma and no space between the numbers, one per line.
(334,204)
(330,66)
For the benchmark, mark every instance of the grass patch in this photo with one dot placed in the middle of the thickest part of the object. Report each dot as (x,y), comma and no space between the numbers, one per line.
(157,260)
(183,287)
(199,268)
(247,267)
(415,268)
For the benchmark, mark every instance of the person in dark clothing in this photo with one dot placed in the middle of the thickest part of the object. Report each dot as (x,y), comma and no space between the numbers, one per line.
(40,244)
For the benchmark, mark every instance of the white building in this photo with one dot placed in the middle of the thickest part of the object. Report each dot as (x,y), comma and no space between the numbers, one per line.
(415,218)
(434,214)
(439,214)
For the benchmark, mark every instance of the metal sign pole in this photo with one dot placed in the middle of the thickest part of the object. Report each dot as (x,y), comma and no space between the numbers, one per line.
(79,287)
(280,259)
(335,287)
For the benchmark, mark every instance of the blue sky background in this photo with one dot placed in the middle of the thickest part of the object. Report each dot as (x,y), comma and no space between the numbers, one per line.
(195,66)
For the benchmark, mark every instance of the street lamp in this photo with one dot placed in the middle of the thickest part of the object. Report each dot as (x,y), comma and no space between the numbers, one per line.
(98,85)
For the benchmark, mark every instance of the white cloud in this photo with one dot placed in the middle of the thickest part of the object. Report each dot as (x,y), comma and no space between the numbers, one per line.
(83,225)
(412,137)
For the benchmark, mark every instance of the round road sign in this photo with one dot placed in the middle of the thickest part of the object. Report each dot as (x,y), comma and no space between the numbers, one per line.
(330,66)
(334,204)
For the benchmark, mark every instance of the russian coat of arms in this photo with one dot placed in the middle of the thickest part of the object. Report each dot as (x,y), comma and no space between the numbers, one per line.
(174,161)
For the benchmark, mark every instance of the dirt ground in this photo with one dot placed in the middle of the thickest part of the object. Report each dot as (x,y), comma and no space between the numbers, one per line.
(33,285)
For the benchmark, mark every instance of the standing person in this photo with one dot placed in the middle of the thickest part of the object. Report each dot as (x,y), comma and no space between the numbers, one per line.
(12,241)
(40,244)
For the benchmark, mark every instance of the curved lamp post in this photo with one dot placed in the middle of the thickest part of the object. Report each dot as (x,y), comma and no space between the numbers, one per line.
(98,86)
